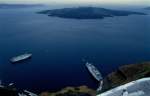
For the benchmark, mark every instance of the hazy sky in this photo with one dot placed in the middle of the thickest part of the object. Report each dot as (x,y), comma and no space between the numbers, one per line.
(126,2)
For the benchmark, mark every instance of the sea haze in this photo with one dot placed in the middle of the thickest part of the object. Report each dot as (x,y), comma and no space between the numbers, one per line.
(60,47)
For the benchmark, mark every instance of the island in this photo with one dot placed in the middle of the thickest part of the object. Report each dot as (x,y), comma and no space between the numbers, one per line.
(87,13)
(19,5)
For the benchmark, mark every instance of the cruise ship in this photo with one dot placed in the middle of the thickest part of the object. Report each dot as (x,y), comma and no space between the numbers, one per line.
(94,71)
(21,57)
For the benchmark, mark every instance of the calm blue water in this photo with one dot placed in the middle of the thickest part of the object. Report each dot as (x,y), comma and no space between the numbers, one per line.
(59,47)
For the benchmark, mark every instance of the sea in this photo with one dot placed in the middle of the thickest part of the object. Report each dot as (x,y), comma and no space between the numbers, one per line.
(61,47)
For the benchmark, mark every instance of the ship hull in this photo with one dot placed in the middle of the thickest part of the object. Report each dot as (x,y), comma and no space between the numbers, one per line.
(94,71)
(20,58)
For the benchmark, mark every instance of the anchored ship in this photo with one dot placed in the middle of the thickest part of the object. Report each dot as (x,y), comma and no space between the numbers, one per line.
(21,57)
(94,71)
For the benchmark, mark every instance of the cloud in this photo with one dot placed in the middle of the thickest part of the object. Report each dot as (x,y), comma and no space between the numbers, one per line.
(130,2)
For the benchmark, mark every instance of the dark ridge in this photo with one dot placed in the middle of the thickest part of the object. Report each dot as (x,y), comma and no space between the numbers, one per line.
(147,8)
(19,5)
(8,92)
(87,13)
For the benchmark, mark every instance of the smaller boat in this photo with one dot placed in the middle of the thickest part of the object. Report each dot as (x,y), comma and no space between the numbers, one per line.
(94,71)
(20,57)
(27,93)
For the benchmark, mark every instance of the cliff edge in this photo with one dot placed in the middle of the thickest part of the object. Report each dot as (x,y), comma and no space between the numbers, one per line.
(127,73)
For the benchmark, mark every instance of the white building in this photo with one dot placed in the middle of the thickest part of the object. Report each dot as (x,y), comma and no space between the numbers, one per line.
(139,87)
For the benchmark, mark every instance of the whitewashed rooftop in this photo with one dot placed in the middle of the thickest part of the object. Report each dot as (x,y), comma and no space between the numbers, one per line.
(139,87)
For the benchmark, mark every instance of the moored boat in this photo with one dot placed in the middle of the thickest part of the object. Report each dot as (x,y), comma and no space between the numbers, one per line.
(94,71)
(20,57)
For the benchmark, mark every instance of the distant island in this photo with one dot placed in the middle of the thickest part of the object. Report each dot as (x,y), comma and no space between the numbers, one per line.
(147,8)
(19,5)
(87,13)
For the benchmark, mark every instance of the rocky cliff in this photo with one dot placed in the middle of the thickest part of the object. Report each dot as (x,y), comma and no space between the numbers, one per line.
(127,73)
(72,91)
